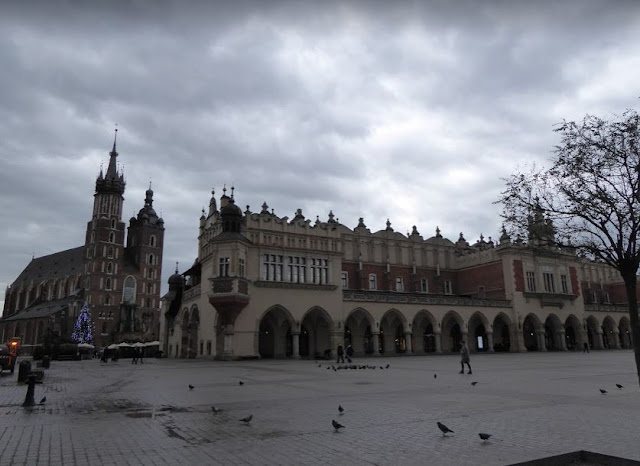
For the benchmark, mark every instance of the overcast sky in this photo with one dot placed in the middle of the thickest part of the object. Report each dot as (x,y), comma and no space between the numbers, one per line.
(411,111)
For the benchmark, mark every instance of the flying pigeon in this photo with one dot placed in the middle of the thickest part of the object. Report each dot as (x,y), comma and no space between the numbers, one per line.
(445,430)
(341,409)
(619,386)
(336,425)
(43,400)
(473,383)
(603,391)
(191,387)
(215,410)
(247,419)
(240,383)
(388,366)
(484,437)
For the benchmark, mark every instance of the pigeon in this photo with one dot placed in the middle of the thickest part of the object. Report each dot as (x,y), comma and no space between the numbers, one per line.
(619,386)
(319,365)
(445,430)
(328,367)
(43,400)
(484,437)
(435,376)
(247,419)
(215,410)
(388,366)
(336,425)
(473,383)
(240,383)
(341,409)
(191,387)
(603,391)
(381,367)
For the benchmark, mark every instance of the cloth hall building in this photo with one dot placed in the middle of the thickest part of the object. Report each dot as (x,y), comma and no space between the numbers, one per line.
(118,273)
(267,286)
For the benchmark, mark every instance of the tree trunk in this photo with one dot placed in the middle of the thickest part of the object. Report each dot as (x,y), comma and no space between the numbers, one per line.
(630,285)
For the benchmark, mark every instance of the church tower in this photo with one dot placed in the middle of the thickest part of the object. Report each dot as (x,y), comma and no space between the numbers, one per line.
(104,241)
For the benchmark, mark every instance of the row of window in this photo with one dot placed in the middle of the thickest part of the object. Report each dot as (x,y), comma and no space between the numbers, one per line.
(548,283)
(294,269)
(399,283)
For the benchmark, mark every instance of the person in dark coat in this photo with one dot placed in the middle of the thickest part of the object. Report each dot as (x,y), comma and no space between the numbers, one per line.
(340,354)
(464,357)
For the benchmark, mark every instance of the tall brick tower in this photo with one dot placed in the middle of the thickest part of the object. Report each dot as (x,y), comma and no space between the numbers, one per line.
(104,248)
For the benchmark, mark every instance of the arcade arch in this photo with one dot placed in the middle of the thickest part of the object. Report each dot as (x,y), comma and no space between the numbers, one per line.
(501,334)
(392,328)
(315,333)
(478,340)
(358,332)
(275,339)
(424,333)
(452,335)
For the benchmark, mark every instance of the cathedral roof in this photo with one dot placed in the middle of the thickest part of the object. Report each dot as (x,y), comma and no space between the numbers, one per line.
(46,308)
(52,267)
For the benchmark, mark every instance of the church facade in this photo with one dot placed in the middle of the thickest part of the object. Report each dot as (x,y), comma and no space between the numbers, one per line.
(268,286)
(117,271)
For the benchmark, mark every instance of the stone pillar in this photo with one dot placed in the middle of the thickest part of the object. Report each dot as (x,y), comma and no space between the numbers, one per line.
(517,339)
(227,351)
(490,342)
(562,336)
(409,343)
(541,345)
(296,345)
(376,344)
(598,343)
(438,342)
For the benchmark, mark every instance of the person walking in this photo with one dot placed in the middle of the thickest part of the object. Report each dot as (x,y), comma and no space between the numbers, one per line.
(585,347)
(340,354)
(464,357)
(141,354)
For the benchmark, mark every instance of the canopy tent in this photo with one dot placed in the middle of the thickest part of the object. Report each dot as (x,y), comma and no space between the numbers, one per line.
(112,346)
(138,345)
(124,344)
(85,345)
(152,343)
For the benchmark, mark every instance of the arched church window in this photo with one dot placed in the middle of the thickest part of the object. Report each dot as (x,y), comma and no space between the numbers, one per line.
(112,237)
(129,290)
(113,223)
(107,285)
(110,252)
(152,240)
(109,267)
(151,259)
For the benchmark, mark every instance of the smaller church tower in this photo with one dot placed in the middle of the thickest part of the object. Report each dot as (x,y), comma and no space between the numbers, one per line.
(145,241)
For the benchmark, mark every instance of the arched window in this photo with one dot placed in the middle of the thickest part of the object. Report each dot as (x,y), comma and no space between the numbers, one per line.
(113,223)
(107,300)
(110,252)
(129,290)
(149,288)
(109,267)
(148,302)
(151,259)
(107,285)
(152,240)
(112,237)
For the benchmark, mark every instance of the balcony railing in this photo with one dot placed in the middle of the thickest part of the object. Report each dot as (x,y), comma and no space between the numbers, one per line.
(419,298)
(229,285)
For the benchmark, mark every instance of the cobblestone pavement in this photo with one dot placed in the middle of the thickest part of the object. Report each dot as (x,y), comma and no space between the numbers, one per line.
(535,405)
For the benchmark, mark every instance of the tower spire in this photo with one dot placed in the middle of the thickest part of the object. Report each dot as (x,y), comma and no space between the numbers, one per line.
(115,138)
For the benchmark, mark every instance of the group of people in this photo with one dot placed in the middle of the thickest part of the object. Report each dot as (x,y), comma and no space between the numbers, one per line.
(464,356)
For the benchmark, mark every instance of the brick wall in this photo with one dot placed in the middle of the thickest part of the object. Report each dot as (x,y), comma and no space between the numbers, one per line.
(488,275)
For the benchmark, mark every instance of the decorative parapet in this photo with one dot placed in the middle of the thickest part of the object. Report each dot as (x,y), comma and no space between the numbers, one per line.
(605,308)
(229,285)
(294,286)
(416,298)
(550,299)
(191,293)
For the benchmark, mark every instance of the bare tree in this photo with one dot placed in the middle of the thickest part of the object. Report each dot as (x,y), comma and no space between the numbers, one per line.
(591,194)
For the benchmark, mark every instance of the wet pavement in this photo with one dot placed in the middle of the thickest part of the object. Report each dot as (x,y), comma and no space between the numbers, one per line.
(535,405)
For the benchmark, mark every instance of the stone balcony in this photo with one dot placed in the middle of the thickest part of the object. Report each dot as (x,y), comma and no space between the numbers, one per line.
(419,298)
(229,295)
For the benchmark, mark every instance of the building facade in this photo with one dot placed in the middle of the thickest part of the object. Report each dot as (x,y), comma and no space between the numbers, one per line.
(269,286)
(116,272)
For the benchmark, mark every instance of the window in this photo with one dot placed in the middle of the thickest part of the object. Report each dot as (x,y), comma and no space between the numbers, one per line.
(150,259)
(93,237)
(272,267)
(607,298)
(345,279)
(223,269)
(319,271)
(424,285)
(296,269)
(152,240)
(150,273)
(149,288)
(109,267)
(113,223)
(112,237)
(564,283)
(448,289)
(129,290)
(399,284)
(549,285)
(531,282)
(373,281)
(110,252)
(107,285)
(107,300)
(241,267)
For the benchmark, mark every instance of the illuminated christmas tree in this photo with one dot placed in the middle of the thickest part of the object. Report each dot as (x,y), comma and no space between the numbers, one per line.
(83,329)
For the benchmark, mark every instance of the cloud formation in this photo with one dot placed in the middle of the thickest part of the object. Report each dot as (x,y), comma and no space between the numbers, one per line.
(411,111)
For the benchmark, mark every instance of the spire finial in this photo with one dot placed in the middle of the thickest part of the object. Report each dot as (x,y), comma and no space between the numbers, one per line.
(149,184)
(232,188)
(115,138)
(224,189)
(176,267)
